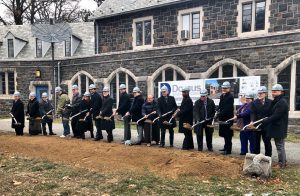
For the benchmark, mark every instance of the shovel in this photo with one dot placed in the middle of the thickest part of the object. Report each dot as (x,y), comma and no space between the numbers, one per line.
(15,120)
(169,122)
(162,116)
(253,127)
(227,121)
(78,114)
(213,121)
(47,113)
(190,127)
(146,116)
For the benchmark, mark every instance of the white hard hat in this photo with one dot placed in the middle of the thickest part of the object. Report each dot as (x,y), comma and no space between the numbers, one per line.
(106,89)
(203,92)
(57,89)
(262,89)
(17,94)
(122,86)
(92,86)
(249,95)
(136,90)
(226,84)
(87,94)
(74,86)
(32,94)
(45,94)
(185,89)
(164,88)
(277,87)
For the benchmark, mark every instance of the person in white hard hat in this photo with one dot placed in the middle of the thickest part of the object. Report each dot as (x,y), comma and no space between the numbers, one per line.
(204,109)
(63,110)
(260,109)
(33,111)
(106,111)
(75,102)
(123,108)
(17,111)
(226,111)
(45,108)
(277,122)
(135,112)
(185,115)
(166,103)
(96,104)
(243,119)
(85,122)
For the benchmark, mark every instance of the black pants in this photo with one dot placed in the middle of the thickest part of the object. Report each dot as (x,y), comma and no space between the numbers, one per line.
(44,129)
(155,133)
(188,142)
(267,143)
(99,135)
(148,132)
(163,136)
(110,136)
(19,130)
(228,143)
(74,122)
(127,129)
(208,135)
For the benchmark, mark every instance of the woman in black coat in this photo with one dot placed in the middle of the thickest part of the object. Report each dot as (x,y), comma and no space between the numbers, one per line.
(85,122)
(17,111)
(107,123)
(33,110)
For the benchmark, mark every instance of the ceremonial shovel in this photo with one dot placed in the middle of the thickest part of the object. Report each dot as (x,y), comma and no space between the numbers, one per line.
(16,122)
(47,113)
(146,116)
(169,123)
(78,114)
(188,126)
(162,116)
(258,121)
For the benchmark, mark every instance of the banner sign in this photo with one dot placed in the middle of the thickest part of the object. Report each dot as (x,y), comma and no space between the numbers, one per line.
(239,87)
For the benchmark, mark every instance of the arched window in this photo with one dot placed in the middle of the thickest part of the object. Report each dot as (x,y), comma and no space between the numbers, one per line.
(227,71)
(83,81)
(121,77)
(289,78)
(168,74)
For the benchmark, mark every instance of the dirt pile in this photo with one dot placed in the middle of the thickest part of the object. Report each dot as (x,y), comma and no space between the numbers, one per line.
(113,157)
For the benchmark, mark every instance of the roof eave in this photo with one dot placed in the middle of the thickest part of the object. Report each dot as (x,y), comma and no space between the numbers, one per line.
(138,10)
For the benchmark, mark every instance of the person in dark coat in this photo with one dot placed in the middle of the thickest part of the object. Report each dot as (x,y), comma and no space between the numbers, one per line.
(17,111)
(226,112)
(124,106)
(46,110)
(33,111)
(75,109)
(260,109)
(96,104)
(185,115)
(277,123)
(135,112)
(204,109)
(85,122)
(243,115)
(166,104)
(151,130)
(106,111)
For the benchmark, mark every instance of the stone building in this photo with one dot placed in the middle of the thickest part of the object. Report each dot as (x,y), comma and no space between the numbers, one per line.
(143,42)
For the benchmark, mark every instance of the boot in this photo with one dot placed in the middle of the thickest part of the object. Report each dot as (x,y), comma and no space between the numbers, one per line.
(92,134)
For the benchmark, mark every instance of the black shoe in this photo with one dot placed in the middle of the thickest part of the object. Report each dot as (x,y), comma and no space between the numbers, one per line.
(171,146)
(210,150)
(138,143)
(161,145)
(200,149)
(226,153)
(44,133)
(242,154)
(222,149)
(97,139)
(51,133)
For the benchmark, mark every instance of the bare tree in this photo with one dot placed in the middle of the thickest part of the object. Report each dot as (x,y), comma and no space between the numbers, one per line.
(16,9)
(99,2)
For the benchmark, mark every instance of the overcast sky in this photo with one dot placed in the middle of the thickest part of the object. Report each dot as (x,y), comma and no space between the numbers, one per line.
(84,4)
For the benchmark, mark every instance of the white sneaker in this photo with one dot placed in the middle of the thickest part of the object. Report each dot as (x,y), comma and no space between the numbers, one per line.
(62,136)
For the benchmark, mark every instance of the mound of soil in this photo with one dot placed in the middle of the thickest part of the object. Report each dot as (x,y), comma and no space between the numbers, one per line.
(113,157)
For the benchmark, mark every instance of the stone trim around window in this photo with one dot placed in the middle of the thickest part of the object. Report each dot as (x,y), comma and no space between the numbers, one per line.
(240,22)
(7,95)
(179,27)
(136,20)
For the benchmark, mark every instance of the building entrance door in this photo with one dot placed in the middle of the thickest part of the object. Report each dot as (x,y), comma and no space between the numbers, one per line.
(39,91)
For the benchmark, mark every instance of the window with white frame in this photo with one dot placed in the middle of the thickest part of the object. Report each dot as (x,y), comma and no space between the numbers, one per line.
(7,83)
(68,47)
(83,81)
(121,78)
(190,24)
(39,48)
(143,32)
(253,16)
(168,74)
(289,78)
(227,71)
(10,48)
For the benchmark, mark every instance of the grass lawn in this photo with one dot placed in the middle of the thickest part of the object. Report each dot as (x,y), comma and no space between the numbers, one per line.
(23,176)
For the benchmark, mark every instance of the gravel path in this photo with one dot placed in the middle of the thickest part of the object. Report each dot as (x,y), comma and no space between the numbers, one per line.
(292,149)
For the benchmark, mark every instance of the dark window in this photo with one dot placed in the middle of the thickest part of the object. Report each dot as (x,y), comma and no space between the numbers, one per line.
(113,90)
(196,25)
(158,79)
(11,83)
(7,85)
(179,76)
(227,71)
(83,84)
(131,83)
(2,83)
(169,75)
(10,45)
(297,93)
(260,15)
(143,33)
(68,47)
(284,78)
(247,17)
(38,48)
(240,73)
(215,74)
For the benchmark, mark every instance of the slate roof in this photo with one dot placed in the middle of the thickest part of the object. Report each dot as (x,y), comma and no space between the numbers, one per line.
(118,7)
